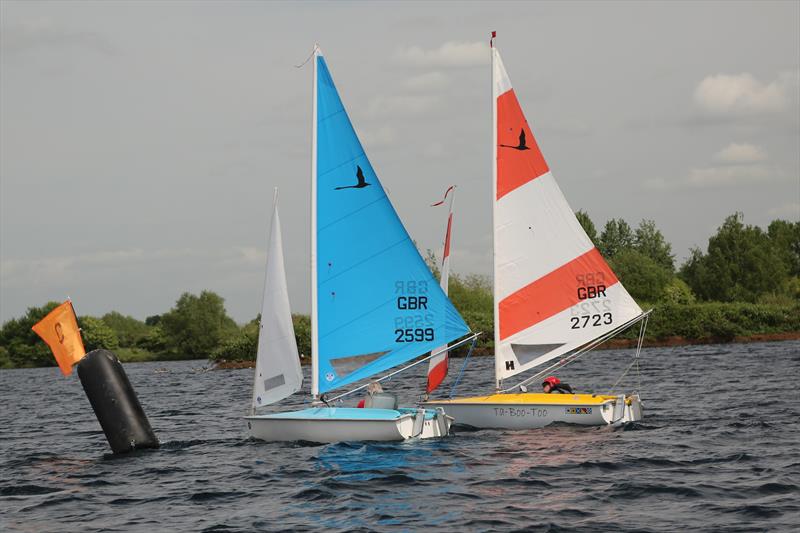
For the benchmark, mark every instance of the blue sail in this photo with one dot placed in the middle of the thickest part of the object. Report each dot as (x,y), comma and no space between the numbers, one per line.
(378,305)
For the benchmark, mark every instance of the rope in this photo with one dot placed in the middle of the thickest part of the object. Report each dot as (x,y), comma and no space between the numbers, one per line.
(301,65)
(463,367)
(635,362)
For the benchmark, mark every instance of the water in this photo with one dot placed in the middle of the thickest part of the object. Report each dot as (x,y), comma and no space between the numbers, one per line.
(717,451)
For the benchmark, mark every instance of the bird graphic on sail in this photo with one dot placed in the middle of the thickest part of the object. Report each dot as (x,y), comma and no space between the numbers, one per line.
(521,145)
(362,182)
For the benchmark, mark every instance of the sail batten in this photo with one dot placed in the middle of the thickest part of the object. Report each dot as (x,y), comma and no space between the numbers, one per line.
(377,303)
(553,290)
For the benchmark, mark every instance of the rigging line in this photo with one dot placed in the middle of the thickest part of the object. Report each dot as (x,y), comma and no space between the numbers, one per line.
(463,367)
(614,386)
(415,363)
(582,350)
(301,65)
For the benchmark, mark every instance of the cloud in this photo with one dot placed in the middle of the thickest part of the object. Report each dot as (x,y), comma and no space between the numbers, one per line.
(16,273)
(404,105)
(741,153)
(789,211)
(743,94)
(43,34)
(450,54)
(729,175)
(378,138)
(427,82)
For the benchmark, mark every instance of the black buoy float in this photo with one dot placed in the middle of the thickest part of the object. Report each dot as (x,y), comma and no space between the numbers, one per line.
(115,403)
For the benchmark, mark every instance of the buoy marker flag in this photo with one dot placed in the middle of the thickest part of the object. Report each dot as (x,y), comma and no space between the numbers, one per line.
(59,329)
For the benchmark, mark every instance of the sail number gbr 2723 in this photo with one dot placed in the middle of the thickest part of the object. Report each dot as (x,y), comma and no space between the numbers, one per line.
(413,323)
(594,307)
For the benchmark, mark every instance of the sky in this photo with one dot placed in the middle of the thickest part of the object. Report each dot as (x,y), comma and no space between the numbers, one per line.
(140,142)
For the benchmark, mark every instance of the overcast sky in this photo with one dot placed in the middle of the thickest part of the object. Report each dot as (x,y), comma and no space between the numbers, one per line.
(140,142)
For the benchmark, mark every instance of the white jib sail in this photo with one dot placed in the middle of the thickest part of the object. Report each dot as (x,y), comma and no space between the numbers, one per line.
(554,292)
(278,373)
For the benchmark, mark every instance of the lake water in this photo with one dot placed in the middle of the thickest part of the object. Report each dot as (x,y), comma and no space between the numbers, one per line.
(717,451)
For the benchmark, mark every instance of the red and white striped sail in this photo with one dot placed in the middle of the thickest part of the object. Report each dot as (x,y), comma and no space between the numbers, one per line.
(553,290)
(438,364)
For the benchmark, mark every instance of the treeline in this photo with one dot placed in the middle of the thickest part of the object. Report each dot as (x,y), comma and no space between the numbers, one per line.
(746,283)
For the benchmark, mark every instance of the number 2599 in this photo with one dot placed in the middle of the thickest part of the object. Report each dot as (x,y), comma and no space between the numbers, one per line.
(413,334)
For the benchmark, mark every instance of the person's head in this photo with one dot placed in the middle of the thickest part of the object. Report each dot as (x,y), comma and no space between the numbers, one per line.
(374,388)
(549,383)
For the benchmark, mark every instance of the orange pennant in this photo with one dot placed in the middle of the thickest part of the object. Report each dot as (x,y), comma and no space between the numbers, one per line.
(59,329)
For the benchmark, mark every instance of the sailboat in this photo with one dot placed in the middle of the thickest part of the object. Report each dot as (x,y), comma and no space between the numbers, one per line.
(375,305)
(555,297)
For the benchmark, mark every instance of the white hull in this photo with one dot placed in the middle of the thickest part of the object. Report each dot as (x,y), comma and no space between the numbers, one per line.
(336,425)
(523,411)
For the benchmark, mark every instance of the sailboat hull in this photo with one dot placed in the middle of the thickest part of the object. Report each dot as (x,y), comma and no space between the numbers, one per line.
(536,410)
(341,424)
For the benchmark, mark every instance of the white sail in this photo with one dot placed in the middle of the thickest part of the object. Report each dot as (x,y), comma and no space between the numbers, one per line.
(278,373)
(553,290)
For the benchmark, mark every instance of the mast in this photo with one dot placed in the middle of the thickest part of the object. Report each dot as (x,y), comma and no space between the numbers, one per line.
(314,318)
(496,314)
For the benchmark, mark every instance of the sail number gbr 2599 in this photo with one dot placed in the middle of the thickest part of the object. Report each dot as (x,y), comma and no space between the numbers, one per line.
(594,307)
(413,322)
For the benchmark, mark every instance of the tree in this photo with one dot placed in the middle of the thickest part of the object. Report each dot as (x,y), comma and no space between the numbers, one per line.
(616,237)
(24,347)
(128,330)
(643,278)
(741,265)
(785,237)
(197,324)
(97,334)
(649,241)
(587,225)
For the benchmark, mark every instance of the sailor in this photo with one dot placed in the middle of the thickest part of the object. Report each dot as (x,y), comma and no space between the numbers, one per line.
(372,389)
(553,384)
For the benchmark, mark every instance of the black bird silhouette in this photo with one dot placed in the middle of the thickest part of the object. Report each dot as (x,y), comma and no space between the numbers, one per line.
(521,145)
(361,181)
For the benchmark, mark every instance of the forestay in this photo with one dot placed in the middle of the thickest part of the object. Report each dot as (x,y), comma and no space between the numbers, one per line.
(377,303)
(278,373)
(554,292)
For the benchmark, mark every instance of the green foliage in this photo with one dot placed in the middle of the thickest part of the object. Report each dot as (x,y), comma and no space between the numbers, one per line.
(154,341)
(616,237)
(678,292)
(587,225)
(741,265)
(23,347)
(197,325)
(128,330)
(649,241)
(721,321)
(153,320)
(241,346)
(785,238)
(96,334)
(302,334)
(643,277)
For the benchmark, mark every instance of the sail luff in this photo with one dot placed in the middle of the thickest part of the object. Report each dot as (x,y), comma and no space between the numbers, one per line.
(314,295)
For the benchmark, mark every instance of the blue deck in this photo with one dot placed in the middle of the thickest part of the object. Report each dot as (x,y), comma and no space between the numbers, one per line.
(346,413)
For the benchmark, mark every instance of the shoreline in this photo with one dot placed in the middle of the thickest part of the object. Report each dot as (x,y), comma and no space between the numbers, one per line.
(612,344)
